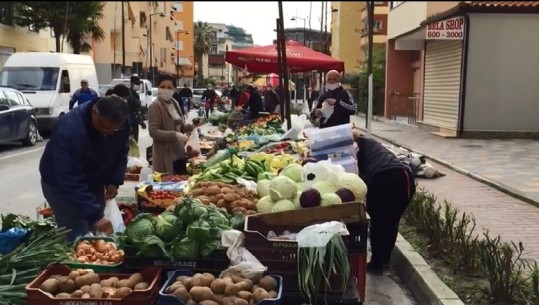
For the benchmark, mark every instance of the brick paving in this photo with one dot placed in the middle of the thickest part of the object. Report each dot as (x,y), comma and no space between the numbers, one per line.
(513,163)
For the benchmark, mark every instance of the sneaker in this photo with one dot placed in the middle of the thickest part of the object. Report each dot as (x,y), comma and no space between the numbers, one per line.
(375,269)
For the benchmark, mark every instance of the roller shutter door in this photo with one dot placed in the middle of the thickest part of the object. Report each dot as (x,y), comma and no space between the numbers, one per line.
(442,83)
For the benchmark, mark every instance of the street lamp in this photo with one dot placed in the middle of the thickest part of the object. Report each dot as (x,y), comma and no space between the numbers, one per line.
(151,46)
(305,44)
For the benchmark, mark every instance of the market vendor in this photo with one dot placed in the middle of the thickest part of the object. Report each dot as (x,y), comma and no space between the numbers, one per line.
(84,163)
(391,186)
(254,103)
(336,98)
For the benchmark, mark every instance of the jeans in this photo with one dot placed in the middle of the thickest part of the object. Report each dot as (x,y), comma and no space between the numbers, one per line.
(68,214)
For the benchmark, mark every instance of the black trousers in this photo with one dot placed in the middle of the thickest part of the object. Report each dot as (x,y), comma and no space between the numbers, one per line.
(180,167)
(388,196)
(134,131)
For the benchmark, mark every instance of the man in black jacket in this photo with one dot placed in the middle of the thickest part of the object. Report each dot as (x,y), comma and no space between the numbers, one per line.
(254,103)
(336,97)
(390,188)
(135,107)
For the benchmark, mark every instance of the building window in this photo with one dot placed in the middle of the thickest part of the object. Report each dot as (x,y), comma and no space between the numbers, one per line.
(377,26)
(52,32)
(394,4)
(178,7)
(142,19)
(162,55)
(6,13)
(179,45)
(213,49)
(378,2)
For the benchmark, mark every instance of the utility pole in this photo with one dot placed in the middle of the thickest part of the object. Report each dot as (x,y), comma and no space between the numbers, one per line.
(285,69)
(370,16)
(280,64)
(123,38)
(320,76)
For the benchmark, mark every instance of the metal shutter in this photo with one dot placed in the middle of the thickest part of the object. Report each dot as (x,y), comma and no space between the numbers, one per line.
(442,83)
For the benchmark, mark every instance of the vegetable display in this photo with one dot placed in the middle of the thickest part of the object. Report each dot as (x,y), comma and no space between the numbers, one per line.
(206,289)
(227,171)
(97,252)
(191,231)
(86,284)
(234,198)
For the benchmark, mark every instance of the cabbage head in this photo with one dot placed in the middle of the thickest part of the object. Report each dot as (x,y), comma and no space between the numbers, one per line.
(167,226)
(325,187)
(264,205)
(355,184)
(262,188)
(330,199)
(282,187)
(293,171)
(140,227)
(283,205)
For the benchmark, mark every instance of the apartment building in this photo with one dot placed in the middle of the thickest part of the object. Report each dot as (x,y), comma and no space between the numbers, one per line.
(381,8)
(226,37)
(157,38)
(22,39)
(347,31)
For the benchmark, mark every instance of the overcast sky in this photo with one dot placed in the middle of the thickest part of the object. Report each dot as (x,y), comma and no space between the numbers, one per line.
(258,18)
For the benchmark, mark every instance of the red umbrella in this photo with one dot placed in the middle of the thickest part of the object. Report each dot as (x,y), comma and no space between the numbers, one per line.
(299,58)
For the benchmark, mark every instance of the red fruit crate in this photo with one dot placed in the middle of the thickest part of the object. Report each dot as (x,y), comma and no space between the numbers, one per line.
(151,275)
(280,255)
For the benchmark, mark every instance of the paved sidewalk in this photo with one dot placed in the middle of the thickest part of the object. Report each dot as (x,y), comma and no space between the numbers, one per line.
(511,163)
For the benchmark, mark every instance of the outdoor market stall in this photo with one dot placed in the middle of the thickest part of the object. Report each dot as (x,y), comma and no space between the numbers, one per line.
(245,228)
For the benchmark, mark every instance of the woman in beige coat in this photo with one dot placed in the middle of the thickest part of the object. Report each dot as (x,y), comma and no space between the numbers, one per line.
(165,122)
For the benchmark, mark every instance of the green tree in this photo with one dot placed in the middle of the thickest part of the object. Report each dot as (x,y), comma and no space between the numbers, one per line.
(378,81)
(203,38)
(73,20)
(84,23)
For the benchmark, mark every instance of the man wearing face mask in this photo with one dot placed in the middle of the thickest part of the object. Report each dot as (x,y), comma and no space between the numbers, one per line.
(135,107)
(336,97)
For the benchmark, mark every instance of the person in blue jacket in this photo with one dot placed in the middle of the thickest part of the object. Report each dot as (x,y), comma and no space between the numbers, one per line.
(82,95)
(84,163)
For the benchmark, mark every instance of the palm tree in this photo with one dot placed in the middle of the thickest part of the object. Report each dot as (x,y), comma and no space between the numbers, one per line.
(83,23)
(202,45)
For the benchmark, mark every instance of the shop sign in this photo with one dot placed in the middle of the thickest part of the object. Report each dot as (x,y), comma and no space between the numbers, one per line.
(449,29)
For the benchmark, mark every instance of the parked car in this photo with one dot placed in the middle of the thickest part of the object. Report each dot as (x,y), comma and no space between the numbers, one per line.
(17,118)
(104,88)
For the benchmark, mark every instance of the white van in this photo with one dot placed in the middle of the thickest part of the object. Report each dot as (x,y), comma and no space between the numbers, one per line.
(48,80)
(145,90)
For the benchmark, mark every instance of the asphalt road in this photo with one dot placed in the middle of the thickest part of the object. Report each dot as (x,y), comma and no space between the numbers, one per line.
(21,194)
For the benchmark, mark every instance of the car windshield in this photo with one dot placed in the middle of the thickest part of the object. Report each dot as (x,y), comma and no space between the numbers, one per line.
(29,78)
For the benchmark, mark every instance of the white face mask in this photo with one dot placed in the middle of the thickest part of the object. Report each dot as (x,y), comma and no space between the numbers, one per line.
(136,87)
(165,94)
(332,87)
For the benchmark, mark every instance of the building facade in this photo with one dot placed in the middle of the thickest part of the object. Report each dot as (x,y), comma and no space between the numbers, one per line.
(346,30)
(381,8)
(225,37)
(18,39)
(155,39)
(478,70)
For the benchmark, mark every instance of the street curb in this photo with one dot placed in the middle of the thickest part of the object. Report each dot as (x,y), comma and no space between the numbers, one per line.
(424,284)
(504,188)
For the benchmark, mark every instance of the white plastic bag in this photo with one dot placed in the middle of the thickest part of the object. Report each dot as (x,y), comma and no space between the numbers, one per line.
(133,162)
(306,109)
(194,142)
(114,215)
(318,235)
(242,261)
(250,185)
(327,110)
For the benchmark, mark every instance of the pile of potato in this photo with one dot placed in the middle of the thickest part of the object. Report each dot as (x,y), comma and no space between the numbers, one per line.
(86,284)
(235,198)
(205,289)
(97,252)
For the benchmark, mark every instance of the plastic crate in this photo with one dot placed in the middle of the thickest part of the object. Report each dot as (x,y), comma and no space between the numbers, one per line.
(216,262)
(280,256)
(96,267)
(167,299)
(36,296)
